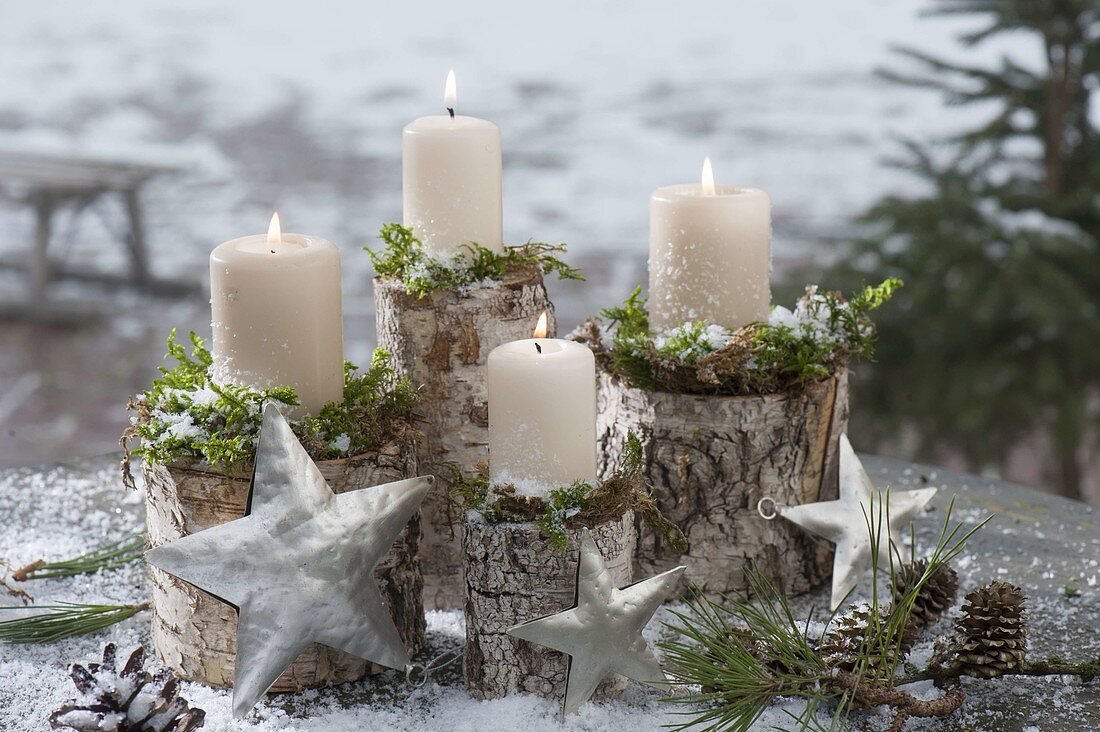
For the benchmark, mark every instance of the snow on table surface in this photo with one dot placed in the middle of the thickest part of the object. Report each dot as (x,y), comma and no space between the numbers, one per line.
(1042,543)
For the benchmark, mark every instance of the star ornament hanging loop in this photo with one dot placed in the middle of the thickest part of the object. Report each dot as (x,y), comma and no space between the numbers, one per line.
(602,632)
(299,567)
(850,521)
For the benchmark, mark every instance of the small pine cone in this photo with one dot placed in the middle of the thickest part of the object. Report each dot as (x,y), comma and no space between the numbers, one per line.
(130,700)
(936,596)
(844,645)
(991,635)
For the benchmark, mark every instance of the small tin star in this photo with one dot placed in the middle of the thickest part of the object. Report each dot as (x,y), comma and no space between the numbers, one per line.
(602,632)
(845,522)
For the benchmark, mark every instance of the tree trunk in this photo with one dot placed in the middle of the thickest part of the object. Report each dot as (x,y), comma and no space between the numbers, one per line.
(194,633)
(441,342)
(514,575)
(710,459)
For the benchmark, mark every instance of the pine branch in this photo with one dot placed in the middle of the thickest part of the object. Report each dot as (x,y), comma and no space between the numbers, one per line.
(63,620)
(109,556)
(1053,666)
(906,705)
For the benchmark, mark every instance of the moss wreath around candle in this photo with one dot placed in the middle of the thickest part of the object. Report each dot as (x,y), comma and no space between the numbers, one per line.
(727,418)
(403,257)
(197,445)
(186,415)
(574,506)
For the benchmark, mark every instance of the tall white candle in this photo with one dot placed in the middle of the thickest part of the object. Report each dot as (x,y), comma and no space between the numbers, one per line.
(709,254)
(542,413)
(277,319)
(451,180)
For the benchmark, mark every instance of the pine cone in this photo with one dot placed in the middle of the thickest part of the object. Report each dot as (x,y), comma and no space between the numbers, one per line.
(991,636)
(130,700)
(843,646)
(936,596)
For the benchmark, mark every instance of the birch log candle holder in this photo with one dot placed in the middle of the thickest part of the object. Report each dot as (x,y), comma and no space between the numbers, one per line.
(440,320)
(520,557)
(194,633)
(727,418)
(710,459)
(514,574)
(197,443)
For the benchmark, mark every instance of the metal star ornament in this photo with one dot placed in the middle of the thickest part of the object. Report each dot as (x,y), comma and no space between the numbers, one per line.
(845,522)
(299,566)
(602,632)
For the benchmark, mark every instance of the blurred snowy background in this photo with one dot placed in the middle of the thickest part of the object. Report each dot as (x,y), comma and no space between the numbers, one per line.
(300,107)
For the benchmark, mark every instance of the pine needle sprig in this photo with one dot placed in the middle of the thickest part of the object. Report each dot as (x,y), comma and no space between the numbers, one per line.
(741,671)
(109,556)
(63,620)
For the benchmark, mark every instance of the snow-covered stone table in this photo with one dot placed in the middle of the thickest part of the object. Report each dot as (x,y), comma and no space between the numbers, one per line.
(1047,545)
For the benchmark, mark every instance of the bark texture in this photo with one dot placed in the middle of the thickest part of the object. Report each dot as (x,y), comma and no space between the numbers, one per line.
(195,633)
(441,343)
(514,575)
(710,459)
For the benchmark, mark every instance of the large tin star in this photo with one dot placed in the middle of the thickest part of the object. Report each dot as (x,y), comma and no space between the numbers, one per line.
(300,566)
(603,630)
(845,522)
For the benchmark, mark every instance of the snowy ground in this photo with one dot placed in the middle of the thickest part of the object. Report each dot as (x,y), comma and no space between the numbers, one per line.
(1046,545)
(300,107)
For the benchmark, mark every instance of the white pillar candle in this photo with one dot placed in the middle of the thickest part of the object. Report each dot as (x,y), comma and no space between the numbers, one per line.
(709,254)
(542,413)
(277,319)
(451,180)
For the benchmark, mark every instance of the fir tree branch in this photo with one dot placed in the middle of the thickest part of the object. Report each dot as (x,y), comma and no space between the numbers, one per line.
(63,620)
(108,556)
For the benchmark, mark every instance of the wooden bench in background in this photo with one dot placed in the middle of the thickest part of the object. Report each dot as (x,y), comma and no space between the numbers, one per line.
(53,185)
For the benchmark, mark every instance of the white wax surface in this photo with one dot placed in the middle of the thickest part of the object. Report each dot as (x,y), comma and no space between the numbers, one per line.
(709,256)
(451,183)
(542,414)
(276,317)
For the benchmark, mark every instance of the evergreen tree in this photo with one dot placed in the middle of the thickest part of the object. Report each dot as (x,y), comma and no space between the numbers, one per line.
(996,336)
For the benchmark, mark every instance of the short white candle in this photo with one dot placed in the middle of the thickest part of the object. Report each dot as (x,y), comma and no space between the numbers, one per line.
(542,413)
(451,180)
(277,319)
(709,254)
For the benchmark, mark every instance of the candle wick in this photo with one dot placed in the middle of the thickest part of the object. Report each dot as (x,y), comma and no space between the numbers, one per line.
(538,348)
(451,110)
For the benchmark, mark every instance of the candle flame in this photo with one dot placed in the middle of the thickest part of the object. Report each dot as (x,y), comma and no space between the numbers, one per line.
(274,231)
(541,329)
(450,91)
(708,178)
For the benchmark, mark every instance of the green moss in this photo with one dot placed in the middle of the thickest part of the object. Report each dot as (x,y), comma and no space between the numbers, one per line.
(403,257)
(186,415)
(571,506)
(822,334)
